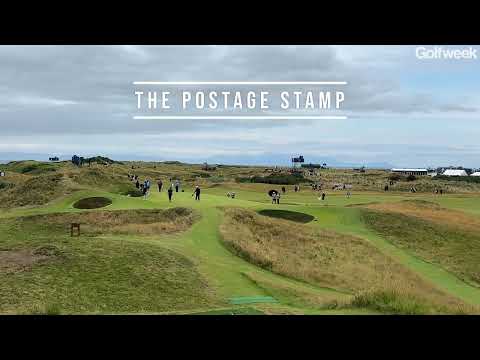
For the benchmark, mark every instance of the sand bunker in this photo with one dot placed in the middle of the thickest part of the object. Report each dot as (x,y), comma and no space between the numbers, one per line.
(92,203)
(287,215)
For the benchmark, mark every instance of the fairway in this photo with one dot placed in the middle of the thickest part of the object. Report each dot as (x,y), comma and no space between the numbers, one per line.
(223,255)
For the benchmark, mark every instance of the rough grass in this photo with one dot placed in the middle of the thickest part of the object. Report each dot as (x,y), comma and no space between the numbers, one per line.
(279,179)
(320,257)
(112,179)
(5,185)
(38,190)
(34,167)
(126,222)
(394,301)
(96,275)
(432,212)
(441,241)
(12,261)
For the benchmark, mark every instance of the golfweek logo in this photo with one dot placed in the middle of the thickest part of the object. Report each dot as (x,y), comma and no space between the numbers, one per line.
(239,99)
(438,53)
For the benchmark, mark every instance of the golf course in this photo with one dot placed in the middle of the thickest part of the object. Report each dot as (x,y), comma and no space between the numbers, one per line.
(371,252)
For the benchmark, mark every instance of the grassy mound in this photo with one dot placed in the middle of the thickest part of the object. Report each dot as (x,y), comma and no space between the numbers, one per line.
(320,257)
(438,239)
(287,215)
(33,167)
(119,222)
(431,212)
(133,193)
(279,179)
(103,178)
(92,203)
(38,190)
(395,302)
(5,185)
(95,275)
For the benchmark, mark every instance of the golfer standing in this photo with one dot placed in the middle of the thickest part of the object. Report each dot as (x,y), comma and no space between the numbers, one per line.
(145,190)
(197,193)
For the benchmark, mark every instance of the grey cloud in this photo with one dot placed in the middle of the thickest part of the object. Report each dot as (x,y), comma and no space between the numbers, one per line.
(87,90)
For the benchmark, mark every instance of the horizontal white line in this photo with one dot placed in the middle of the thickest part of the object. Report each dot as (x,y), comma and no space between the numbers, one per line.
(240,83)
(251,117)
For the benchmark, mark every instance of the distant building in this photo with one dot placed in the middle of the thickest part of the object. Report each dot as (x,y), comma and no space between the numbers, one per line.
(455,172)
(476,173)
(410,171)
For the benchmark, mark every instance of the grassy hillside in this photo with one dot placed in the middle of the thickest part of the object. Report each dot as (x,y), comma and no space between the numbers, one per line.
(324,258)
(38,190)
(56,273)
(454,246)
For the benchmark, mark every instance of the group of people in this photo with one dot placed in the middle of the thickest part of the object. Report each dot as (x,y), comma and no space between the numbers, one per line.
(439,191)
(145,187)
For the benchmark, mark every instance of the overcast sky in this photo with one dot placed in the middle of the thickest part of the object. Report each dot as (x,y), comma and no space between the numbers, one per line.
(64,100)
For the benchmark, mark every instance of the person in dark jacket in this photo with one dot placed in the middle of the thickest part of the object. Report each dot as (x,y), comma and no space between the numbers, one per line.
(197,193)
(170,193)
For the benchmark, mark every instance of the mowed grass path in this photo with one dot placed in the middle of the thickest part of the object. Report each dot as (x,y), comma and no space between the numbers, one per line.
(227,272)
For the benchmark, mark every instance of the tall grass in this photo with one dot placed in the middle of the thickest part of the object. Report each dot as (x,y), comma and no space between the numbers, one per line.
(328,259)
(446,238)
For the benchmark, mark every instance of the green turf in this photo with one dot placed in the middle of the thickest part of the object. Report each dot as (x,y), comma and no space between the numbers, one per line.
(99,278)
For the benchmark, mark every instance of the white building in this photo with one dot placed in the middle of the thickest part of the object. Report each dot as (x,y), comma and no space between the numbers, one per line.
(454,172)
(411,171)
(476,173)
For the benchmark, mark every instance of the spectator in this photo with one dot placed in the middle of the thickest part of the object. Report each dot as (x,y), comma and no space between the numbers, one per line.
(197,193)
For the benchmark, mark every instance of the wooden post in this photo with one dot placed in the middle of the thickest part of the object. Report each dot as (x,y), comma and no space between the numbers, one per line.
(74,226)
